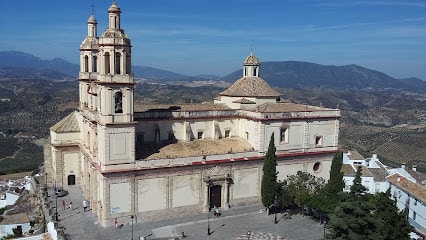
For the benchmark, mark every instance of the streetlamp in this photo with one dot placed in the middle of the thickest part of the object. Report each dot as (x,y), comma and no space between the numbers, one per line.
(248,235)
(132,225)
(208,221)
(275,210)
(45,186)
(56,207)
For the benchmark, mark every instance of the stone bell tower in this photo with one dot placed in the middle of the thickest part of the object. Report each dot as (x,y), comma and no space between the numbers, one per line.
(106,93)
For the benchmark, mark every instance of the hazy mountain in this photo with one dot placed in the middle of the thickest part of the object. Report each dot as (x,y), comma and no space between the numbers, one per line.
(32,73)
(285,74)
(154,73)
(415,82)
(296,74)
(25,60)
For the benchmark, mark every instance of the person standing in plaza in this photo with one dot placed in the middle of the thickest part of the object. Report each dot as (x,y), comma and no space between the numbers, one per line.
(84,205)
(63,204)
(70,205)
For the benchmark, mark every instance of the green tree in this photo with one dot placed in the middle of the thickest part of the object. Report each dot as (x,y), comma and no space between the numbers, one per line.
(303,186)
(328,197)
(284,197)
(353,218)
(396,225)
(269,178)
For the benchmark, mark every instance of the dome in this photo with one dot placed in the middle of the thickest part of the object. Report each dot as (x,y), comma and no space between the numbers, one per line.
(114,8)
(92,19)
(251,60)
(250,87)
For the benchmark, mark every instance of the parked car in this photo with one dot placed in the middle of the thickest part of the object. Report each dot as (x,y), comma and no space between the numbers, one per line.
(60,192)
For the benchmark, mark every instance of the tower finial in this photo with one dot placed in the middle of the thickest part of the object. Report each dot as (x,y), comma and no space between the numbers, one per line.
(251,48)
(93,10)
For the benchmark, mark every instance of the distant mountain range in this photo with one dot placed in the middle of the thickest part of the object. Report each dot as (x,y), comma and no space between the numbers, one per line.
(295,74)
(285,74)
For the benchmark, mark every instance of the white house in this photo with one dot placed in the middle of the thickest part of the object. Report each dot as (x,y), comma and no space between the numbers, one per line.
(411,195)
(373,172)
(8,198)
(9,222)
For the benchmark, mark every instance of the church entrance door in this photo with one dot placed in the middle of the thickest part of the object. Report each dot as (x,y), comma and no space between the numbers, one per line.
(71,179)
(215,196)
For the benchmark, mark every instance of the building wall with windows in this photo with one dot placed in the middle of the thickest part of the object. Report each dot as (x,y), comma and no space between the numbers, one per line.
(411,195)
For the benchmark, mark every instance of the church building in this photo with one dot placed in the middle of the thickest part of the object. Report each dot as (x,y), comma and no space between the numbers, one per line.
(152,161)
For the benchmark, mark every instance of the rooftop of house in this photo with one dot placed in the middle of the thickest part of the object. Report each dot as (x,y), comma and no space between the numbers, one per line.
(354,155)
(378,172)
(416,190)
(15,219)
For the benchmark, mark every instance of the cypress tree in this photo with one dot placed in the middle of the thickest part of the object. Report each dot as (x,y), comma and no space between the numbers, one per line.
(269,178)
(335,183)
(328,198)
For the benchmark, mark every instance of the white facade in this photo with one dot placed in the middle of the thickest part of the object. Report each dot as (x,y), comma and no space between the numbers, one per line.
(10,222)
(411,195)
(372,170)
(378,178)
(155,160)
(8,198)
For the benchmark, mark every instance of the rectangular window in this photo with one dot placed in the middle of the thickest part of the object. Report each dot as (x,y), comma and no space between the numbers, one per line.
(415,202)
(414,215)
(318,141)
(227,133)
(188,135)
(200,135)
(284,135)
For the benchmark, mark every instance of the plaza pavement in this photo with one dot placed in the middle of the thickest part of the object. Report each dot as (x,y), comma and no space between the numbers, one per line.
(233,224)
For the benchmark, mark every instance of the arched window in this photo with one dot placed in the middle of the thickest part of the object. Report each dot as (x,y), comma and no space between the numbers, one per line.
(117,63)
(118,100)
(86,64)
(128,63)
(95,64)
(107,64)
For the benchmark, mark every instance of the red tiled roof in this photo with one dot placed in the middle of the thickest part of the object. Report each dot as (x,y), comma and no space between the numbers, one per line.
(416,190)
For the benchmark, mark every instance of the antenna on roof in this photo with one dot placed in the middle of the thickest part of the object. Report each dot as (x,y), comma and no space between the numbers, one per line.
(251,48)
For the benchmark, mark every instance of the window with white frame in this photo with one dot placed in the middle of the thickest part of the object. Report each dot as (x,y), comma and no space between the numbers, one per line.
(318,141)
(284,135)
(200,135)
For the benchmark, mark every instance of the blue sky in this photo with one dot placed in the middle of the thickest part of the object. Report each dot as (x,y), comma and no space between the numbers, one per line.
(213,37)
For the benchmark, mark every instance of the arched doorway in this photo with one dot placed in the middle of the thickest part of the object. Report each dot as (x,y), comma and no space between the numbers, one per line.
(71,179)
(215,196)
